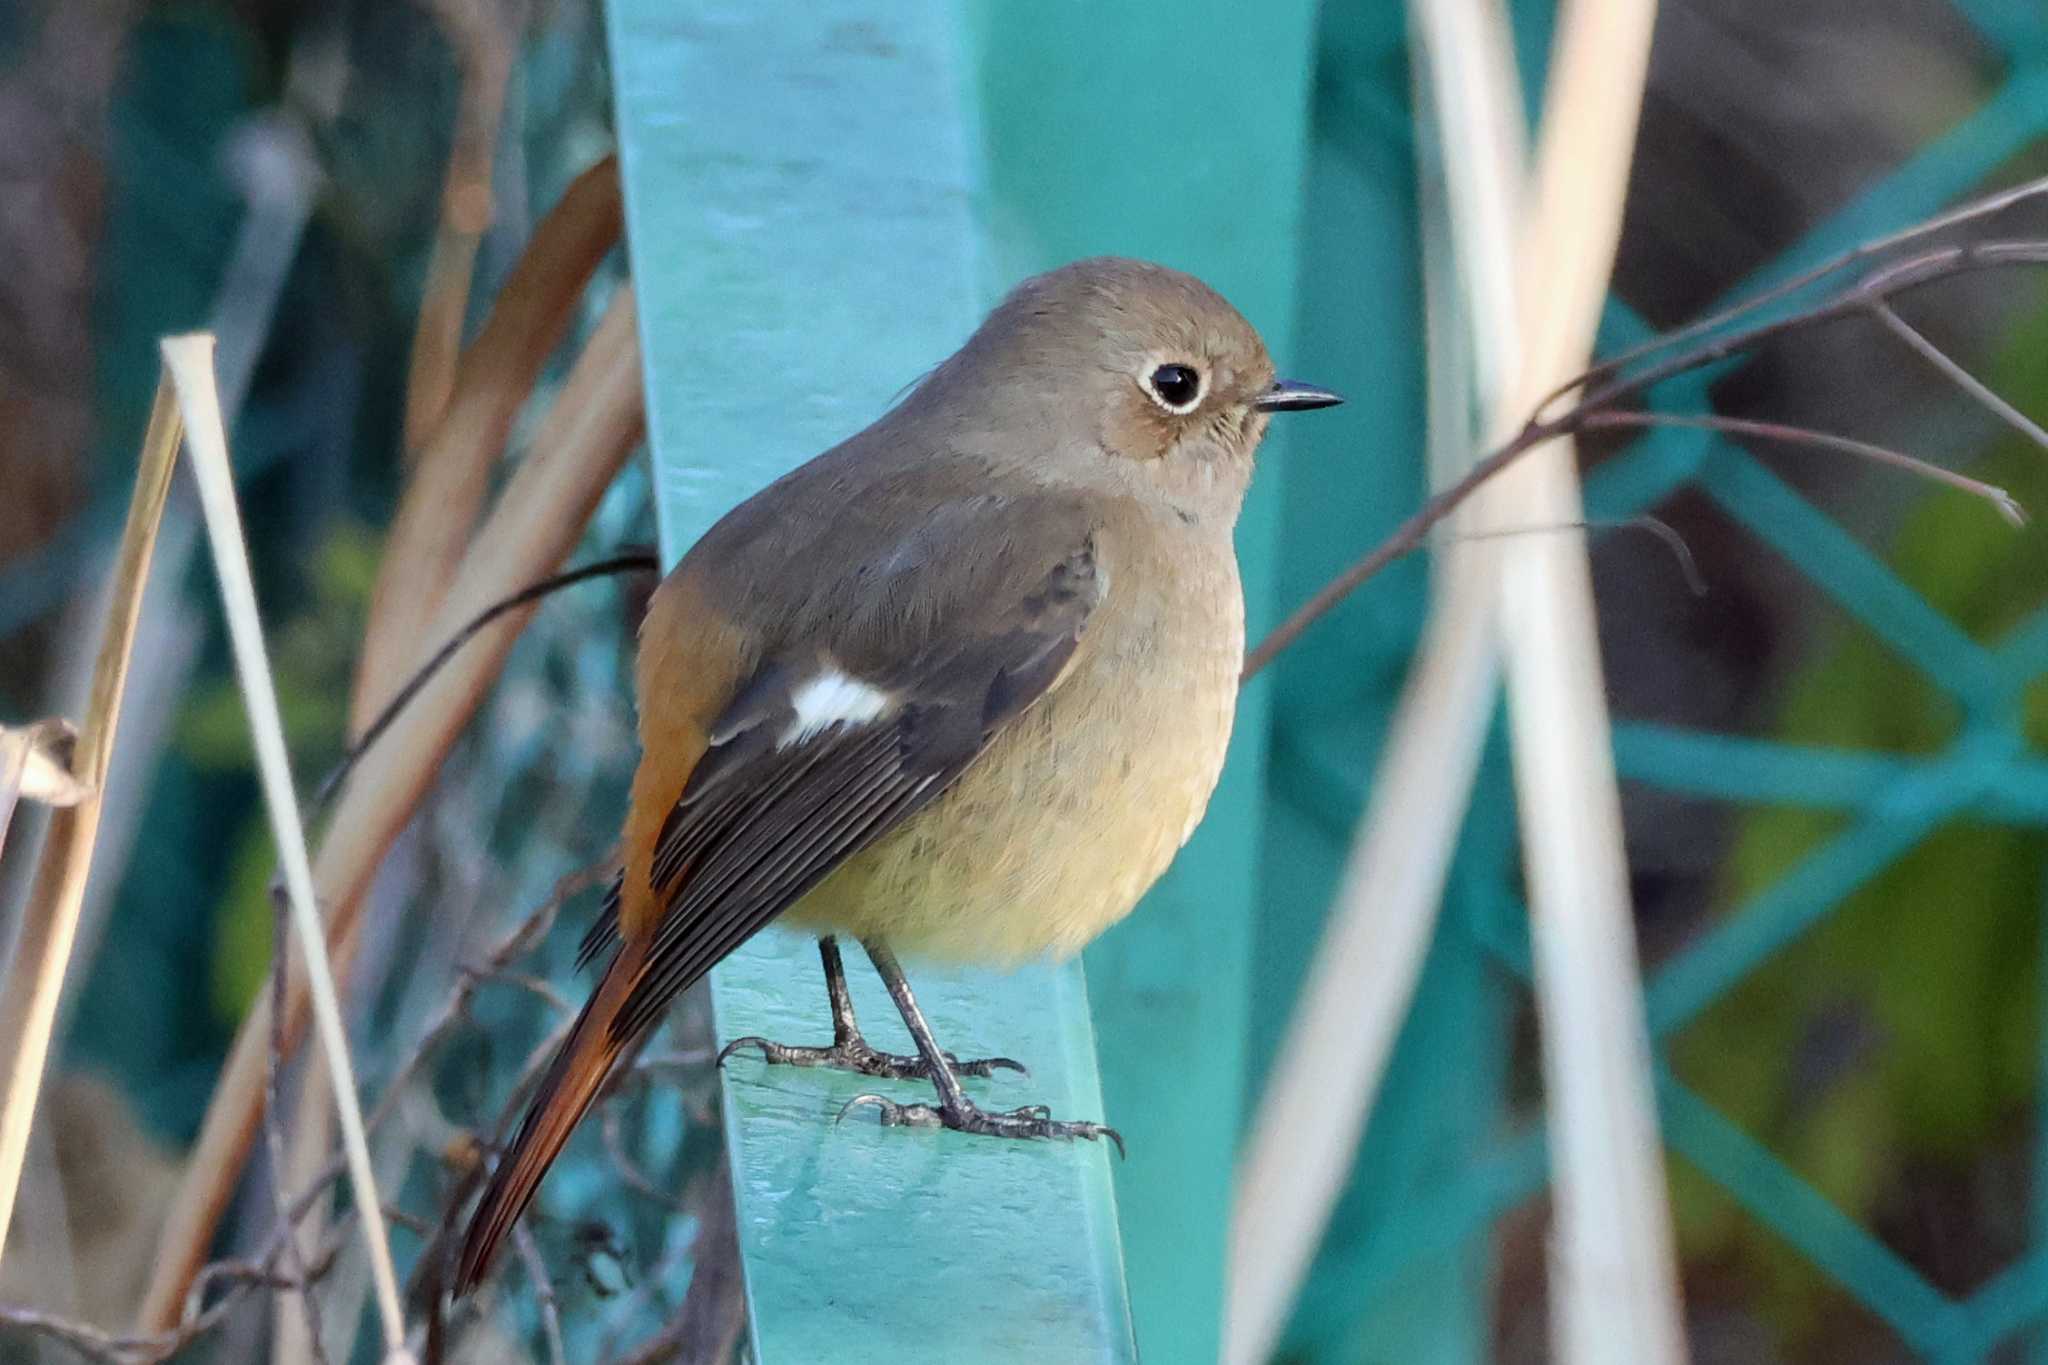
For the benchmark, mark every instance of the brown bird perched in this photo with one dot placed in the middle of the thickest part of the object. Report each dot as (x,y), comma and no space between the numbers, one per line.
(959,687)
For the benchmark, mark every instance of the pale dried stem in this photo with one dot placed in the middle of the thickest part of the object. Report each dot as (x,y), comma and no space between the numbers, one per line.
(1347,1014)
(35,978)
(13,765)
(1613,1286)
(190,362)
(594,425)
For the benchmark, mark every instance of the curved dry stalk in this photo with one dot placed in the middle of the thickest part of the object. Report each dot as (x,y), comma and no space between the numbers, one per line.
(485,44)
(35,978)
(636,562)
(438,511)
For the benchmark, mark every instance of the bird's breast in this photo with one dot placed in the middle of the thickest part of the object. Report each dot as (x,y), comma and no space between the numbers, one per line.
(1055,832)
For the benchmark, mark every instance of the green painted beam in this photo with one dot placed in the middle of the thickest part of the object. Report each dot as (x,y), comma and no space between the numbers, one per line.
(799,219)
(1178,135)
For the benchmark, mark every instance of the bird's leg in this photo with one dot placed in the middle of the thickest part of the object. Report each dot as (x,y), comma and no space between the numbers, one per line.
(849,1050)
(954,1110)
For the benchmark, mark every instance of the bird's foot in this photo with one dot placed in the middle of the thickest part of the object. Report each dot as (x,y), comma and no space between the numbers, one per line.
(1032,1121)
(856,1055)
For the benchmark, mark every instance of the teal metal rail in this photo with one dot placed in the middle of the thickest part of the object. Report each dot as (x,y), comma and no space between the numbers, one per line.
(1180,136)
(798,200)
(1435,1175)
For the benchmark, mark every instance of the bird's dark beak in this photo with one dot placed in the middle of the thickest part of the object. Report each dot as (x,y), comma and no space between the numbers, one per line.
(1291,395)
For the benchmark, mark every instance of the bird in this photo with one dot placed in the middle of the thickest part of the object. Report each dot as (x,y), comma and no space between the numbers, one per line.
(958,687)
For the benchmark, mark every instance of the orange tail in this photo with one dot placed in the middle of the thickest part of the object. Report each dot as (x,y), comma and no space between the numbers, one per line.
(565,1095)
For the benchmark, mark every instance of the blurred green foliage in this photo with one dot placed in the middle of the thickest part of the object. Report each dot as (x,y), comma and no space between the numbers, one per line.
(1899,1040)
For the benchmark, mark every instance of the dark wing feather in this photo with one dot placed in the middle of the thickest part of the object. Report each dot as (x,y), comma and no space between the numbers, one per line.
(763,819)
(760,825)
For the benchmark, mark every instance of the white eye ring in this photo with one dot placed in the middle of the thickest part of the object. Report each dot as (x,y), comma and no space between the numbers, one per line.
(1176,386)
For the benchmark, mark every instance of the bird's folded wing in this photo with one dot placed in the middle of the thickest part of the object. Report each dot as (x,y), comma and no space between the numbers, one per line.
(815,759)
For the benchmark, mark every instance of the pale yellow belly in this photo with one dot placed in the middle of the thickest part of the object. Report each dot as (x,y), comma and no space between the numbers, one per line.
(1055,832)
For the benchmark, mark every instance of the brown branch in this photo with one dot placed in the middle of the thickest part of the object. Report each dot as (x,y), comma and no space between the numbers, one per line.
(1975,210)
(439,509)
(2003,502)
(148,1348)
(485,42)
(1605,389)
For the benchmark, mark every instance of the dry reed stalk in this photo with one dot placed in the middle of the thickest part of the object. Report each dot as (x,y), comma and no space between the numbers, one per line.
(1348,1014)
(190,362)
(14,749)
(1531,295)
(1613,1285)
(462,442)
(595,423)
(35,978)
(448,485)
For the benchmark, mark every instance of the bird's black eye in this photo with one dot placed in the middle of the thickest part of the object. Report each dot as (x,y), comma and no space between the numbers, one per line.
(1177,386)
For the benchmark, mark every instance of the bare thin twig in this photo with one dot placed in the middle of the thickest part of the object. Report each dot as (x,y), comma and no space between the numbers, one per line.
(152,1347)
(1688,567)
(273,1132)
(543,1292)
(2004,503)
(262,1272)
(538,987)
(1603,391)
(638,561)
(1956,374)
(1977,209)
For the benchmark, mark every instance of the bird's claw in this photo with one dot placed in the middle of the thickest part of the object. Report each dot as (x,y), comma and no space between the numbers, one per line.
(1031,1121)
(856,1055)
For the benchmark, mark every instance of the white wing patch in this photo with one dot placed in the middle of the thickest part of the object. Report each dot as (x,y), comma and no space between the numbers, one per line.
(830,698)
